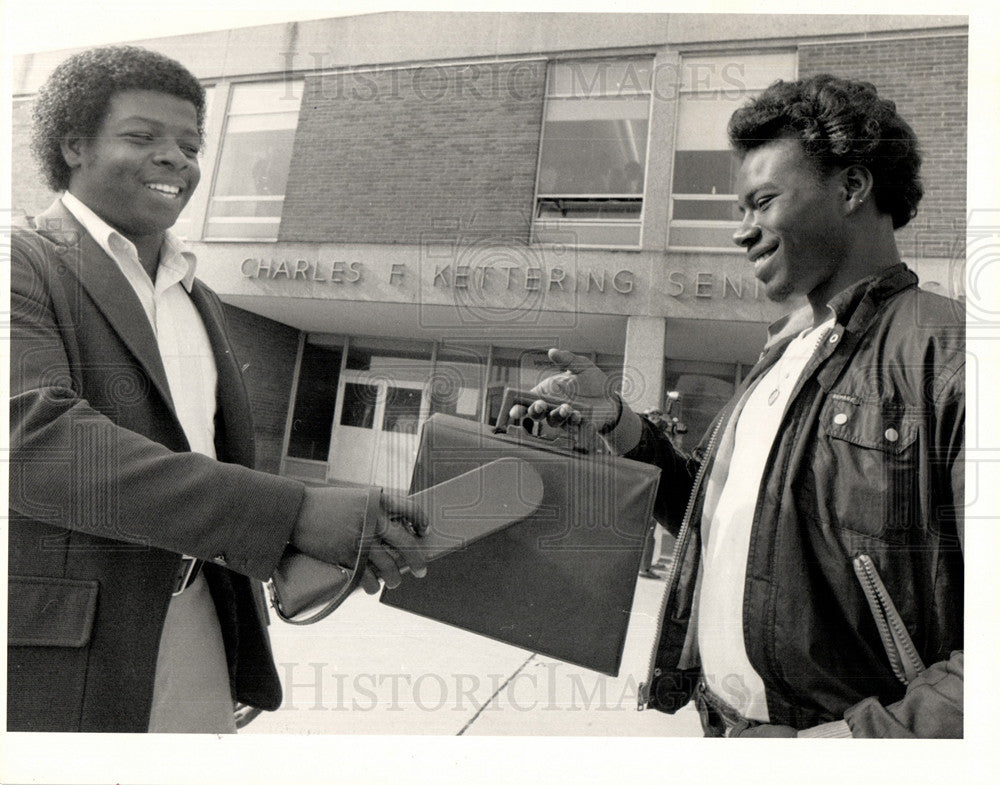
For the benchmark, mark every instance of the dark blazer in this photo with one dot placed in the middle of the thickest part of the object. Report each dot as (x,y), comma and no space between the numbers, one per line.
(105,495)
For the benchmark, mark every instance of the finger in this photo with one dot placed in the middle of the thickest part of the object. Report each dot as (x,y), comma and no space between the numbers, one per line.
(517,412)
(399,507)
(569,361)
(370,582)
(384,566)
(562,415)
(407,547)
(538,409)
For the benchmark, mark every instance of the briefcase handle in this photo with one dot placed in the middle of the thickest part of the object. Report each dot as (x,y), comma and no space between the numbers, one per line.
(301,583)
(566,439)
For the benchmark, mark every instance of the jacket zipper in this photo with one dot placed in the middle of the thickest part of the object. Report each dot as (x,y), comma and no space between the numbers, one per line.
(682,537)
(903,657)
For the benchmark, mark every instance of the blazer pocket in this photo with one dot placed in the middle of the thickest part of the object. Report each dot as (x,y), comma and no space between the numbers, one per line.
(44,611)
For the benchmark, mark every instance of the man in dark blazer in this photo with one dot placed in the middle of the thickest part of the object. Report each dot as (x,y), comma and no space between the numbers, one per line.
(139,531)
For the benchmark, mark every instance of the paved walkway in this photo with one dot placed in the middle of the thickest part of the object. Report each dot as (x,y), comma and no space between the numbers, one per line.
(371,669)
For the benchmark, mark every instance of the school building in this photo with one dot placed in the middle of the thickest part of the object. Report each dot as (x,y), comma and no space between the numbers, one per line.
(403,211)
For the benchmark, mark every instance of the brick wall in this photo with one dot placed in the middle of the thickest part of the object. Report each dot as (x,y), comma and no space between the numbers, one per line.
(928,79)
(29,194)
(266,351)
(391,155)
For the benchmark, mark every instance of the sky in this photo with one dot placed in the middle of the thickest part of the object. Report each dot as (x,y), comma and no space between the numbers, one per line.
(57,24)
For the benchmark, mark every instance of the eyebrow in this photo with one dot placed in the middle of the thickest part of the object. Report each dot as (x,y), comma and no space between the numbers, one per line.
(191,131)
(742,201)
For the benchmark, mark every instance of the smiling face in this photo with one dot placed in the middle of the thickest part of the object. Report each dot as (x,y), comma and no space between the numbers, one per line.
(141,168)
(793,226)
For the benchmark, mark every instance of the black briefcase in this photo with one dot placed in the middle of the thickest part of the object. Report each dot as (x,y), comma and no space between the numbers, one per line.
(561,581)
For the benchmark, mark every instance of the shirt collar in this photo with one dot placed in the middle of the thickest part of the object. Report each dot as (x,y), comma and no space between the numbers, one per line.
(845,305)
(792,324)
(174,255)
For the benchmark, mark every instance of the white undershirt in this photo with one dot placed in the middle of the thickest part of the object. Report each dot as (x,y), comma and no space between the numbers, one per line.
(731,498)
(191,687)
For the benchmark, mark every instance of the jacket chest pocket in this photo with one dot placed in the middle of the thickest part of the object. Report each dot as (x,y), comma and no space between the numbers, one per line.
(871,450)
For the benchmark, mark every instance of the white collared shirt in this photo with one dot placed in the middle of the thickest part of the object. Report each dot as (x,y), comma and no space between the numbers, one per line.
(730,501)
(180,333)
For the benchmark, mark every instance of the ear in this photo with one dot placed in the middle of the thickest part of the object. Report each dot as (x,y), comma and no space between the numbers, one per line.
(72,148)
(857,184)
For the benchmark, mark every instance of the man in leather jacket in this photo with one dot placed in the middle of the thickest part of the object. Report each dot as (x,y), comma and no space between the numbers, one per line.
(817,587)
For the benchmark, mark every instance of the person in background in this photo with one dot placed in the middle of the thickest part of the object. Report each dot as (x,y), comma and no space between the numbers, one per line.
(671,427)
(818,589)
(139,530)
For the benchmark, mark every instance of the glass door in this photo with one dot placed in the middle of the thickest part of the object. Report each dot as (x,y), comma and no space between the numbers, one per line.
(405,407)
(377,421)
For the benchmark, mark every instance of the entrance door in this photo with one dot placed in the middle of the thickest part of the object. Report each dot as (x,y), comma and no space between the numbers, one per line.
(375,433)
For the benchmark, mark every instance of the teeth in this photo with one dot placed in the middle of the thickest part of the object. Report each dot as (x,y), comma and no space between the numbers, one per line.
(169,190)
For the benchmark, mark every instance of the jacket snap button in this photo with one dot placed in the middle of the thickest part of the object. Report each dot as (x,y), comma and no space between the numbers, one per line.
(839,419)
(891,435)
(834,338)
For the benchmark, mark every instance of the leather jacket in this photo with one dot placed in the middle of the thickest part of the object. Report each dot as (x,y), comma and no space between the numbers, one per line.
(857,530)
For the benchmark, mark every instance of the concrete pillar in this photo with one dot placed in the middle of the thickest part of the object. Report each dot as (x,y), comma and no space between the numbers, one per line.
(642,378)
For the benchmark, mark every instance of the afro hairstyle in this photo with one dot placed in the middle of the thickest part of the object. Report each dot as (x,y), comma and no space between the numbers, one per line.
(840,123)
(74,100)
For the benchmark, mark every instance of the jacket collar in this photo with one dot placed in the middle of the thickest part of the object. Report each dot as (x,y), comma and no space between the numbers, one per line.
(857,305)
(107,286)
(854,307)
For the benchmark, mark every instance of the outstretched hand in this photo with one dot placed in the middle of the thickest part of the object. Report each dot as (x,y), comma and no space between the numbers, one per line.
(580,395)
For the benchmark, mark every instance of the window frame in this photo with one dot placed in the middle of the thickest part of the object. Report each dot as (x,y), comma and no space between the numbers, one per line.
(710,224)
(294,85)
(562,228)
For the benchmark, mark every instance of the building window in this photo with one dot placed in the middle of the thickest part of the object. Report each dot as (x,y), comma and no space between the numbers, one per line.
(592,165)
(703,388)
(456,386)
(507,370)
(250,179)
(359,405)
(315,397)
(703,204)
(188,224)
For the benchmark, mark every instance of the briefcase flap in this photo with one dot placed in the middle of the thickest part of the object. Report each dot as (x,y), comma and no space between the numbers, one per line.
(561,581)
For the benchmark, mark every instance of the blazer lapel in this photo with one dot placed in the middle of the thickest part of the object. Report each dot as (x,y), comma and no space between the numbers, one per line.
(233,421)
(109,289)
